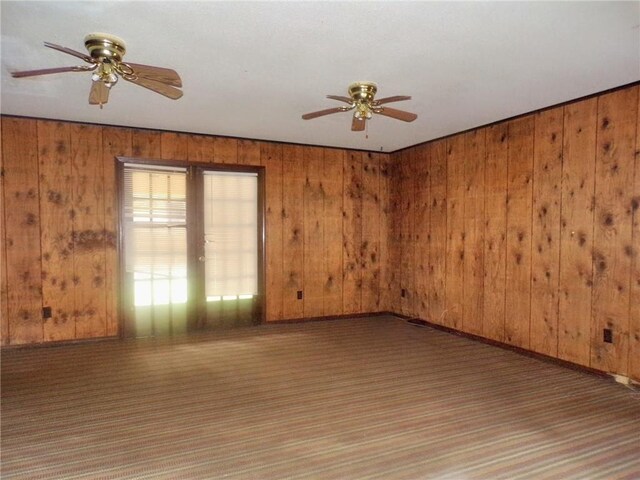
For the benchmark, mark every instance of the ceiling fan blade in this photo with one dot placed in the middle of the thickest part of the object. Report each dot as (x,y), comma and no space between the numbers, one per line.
(69,51)
(358,124)
(161,88)
(99,94)
(157,74)
(320,113)
(396,98)
(48,71)
(397,114)
(340,98)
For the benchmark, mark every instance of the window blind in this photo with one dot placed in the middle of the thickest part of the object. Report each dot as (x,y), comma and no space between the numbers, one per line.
(231,234)
(155,214)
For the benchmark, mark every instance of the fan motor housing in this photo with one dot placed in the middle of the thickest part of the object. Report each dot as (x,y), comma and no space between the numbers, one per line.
(363,91)
(103,46)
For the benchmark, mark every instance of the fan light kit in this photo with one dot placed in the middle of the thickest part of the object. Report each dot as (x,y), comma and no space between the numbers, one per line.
(361,101)
(105,61)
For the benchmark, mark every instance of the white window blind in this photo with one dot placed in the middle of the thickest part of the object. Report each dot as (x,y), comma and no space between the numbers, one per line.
(155,214)
(231,234)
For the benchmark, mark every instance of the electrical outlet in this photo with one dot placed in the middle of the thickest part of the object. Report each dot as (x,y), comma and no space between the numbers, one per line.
(299,294)
(46,312)
(607,335)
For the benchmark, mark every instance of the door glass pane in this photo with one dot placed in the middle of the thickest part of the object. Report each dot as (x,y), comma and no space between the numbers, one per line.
(230,235)
(155,213)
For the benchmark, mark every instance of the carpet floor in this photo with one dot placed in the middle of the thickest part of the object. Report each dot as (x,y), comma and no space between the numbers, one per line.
(366,398)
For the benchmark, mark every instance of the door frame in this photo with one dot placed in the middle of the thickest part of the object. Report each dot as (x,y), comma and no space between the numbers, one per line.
(195,308)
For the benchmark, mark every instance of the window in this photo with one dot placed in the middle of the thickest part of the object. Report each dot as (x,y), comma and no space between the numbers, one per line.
(155,221)
(230,235)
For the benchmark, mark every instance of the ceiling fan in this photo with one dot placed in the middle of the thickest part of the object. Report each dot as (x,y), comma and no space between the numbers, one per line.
(105,61)
(361,99)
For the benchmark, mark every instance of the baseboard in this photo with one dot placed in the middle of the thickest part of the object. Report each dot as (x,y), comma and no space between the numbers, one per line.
(522,351)
(329,317)
(60,343)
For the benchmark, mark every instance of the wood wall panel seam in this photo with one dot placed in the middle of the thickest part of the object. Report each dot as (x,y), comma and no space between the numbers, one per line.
(226,150)
(455,279)
(248,152)
(506,226)
(634,279)
(593,233)
(174,146)
(560,234)
(313,228)
(146,144)
(274,241)
(518,271)
(547,172)
(352,232)
(369,249)
(293,231)
(506,229)
(117,142)
(533,185)
(333,171)
(4,316)
(437,231)
(422,189)
(385,172)
(496,174)
(474,166)
(57,213)
(576,263)
(88,232)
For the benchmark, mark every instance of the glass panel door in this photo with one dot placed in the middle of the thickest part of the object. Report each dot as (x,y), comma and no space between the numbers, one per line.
(192,249)
(155,235)
(231,245)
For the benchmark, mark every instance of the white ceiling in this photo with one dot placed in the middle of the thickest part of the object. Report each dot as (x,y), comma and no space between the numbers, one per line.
(251,69)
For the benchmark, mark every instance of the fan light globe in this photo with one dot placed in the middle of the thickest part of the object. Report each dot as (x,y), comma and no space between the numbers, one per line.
(110,80)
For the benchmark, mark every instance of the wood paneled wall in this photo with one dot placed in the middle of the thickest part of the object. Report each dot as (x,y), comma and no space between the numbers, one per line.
(327,217)
(528,231)
(525,232)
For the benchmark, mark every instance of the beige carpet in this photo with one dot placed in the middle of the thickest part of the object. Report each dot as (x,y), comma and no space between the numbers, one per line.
(347,399)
